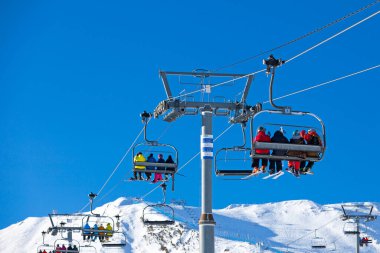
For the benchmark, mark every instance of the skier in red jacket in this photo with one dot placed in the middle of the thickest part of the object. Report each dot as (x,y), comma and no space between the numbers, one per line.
(260,137)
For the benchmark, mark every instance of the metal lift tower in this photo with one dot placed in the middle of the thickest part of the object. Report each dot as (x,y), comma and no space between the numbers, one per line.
(355,213)
(239,112)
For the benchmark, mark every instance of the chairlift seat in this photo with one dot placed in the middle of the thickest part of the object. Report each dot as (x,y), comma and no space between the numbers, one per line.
(318,246)
(113,245)
(157,223)
(161,167)
(233,172)
(286,146)
(88,231)
(286,157)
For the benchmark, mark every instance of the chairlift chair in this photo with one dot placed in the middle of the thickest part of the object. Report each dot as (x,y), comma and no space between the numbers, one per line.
(272,63)
(228,159)
(117,240)
(46,247)
(320,150)
(99,220)
(318,242)
(158,215)
(350,228)
(154,147)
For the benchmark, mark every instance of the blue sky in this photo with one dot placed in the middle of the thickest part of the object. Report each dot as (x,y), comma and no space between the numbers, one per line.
(74,77)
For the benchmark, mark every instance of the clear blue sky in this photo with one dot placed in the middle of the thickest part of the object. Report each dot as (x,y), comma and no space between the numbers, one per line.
(75,75)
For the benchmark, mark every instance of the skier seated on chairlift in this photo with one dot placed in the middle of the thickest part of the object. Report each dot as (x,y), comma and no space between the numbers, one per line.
(275,166)
(294,166)
(365,241)
(260,137)
(63,248)
(109,231)
(75,249)
(86,232)
(311,138)
(150,159)
(70,248)
(138,158)
(95,232)
(101,233)
(169,160)
(158,176)
(58,249)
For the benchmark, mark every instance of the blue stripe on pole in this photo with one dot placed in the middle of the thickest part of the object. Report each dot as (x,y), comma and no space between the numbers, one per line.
(207,140)
(207,157)
(207,149)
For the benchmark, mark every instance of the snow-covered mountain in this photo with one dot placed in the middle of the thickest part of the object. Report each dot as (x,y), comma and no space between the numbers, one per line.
(289,226)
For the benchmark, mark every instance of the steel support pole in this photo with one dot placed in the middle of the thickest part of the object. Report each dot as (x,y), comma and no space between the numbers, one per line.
(357,236)
(206,220)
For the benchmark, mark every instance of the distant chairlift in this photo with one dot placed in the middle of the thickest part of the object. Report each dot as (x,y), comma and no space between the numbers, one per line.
(113,237)
(351,228)
(147,147)
(318,242)
(234,161)
(158,214)
(317,151)
(66,242)
(46,247)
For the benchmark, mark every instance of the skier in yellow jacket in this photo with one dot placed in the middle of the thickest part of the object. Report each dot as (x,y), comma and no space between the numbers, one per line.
(138,158)
(108,234)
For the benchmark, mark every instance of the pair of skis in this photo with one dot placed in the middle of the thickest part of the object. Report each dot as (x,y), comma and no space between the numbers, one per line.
(273,176)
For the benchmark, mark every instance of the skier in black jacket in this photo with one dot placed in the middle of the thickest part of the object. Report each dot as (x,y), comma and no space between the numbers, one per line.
(276,165)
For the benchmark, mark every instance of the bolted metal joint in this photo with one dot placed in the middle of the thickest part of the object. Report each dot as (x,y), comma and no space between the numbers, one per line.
(207,218)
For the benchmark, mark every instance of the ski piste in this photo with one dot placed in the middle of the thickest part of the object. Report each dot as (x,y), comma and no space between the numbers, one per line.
(272,175)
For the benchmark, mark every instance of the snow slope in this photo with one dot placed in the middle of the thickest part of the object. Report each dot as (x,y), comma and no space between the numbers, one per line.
(288,226)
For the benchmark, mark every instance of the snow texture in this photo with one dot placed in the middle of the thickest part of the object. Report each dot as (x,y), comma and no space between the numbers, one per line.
(289,226)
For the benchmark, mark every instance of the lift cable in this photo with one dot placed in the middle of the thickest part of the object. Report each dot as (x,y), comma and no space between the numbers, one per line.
(335,35)
(116,168)
(301,37)
(312,232)
(291,59)
(324,83)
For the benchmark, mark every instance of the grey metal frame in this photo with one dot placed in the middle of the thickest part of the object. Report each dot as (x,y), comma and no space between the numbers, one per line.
(57,228)
(242,112)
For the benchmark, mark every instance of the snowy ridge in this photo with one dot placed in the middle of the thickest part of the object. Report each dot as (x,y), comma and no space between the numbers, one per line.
(287,226)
